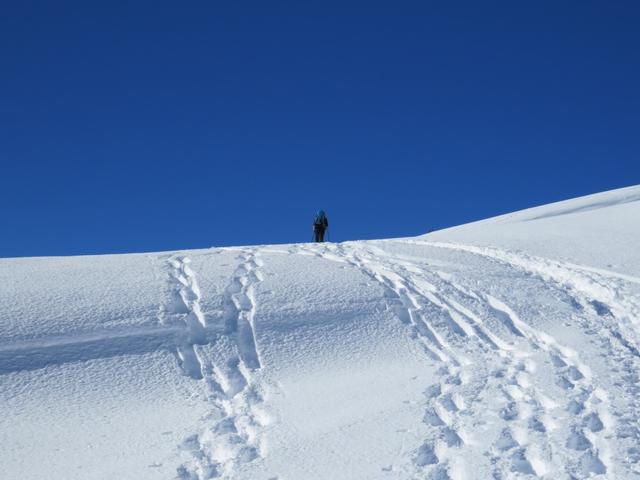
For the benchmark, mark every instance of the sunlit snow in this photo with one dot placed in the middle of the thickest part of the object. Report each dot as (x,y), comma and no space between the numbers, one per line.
(506,348)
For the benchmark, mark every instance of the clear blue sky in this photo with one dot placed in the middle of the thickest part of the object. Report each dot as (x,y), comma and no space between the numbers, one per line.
(167,125)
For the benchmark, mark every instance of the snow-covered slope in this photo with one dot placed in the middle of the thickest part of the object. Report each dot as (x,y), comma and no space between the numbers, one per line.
(507,348)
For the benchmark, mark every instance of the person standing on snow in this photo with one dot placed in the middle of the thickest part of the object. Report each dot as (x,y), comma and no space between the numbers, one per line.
(320,225)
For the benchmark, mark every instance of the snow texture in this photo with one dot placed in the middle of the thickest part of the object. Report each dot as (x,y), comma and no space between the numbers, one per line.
(502,349)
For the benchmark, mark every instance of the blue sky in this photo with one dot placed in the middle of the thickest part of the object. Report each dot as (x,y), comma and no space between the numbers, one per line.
(167,125)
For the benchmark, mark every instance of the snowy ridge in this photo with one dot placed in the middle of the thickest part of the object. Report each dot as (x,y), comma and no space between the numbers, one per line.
(506,349)
(588,203)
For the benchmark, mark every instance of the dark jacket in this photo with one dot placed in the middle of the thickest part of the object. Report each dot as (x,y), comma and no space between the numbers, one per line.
(320,223)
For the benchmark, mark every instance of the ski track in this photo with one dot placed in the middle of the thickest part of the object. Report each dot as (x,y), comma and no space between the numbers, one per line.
(450,402)
(586,451)
(608,311)
(231,430)
(431,326)
(539,436)
(595,289)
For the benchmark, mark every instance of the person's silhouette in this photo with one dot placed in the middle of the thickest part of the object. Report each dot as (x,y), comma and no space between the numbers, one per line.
(320,225)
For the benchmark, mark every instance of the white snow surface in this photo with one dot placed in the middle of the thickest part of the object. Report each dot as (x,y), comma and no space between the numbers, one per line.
(502,349)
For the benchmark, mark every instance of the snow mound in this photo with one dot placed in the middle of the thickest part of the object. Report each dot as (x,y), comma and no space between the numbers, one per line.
(507,348)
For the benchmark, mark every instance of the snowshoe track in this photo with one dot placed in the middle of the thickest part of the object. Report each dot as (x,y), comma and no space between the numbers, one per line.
(449,321)
(231,432)
(184,306)
(608,308)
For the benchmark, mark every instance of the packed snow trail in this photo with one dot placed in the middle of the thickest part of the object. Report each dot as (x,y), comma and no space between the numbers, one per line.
(185,304)
(231,428)
(598,289)
(505,349)
(536,443)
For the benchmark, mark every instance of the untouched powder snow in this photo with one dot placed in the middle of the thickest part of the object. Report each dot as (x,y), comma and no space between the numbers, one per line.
(507,348)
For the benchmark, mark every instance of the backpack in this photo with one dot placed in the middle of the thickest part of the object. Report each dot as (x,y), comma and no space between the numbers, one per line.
(319,219)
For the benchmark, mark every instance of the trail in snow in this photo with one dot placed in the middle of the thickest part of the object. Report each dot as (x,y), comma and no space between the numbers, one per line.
(184,305)
(447,319)
(608,311)
(599,290)
(240,308)
(230,433)
(433,327)
(585,403)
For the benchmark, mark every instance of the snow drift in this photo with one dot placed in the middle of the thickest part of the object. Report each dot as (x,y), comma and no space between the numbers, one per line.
(506,348)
